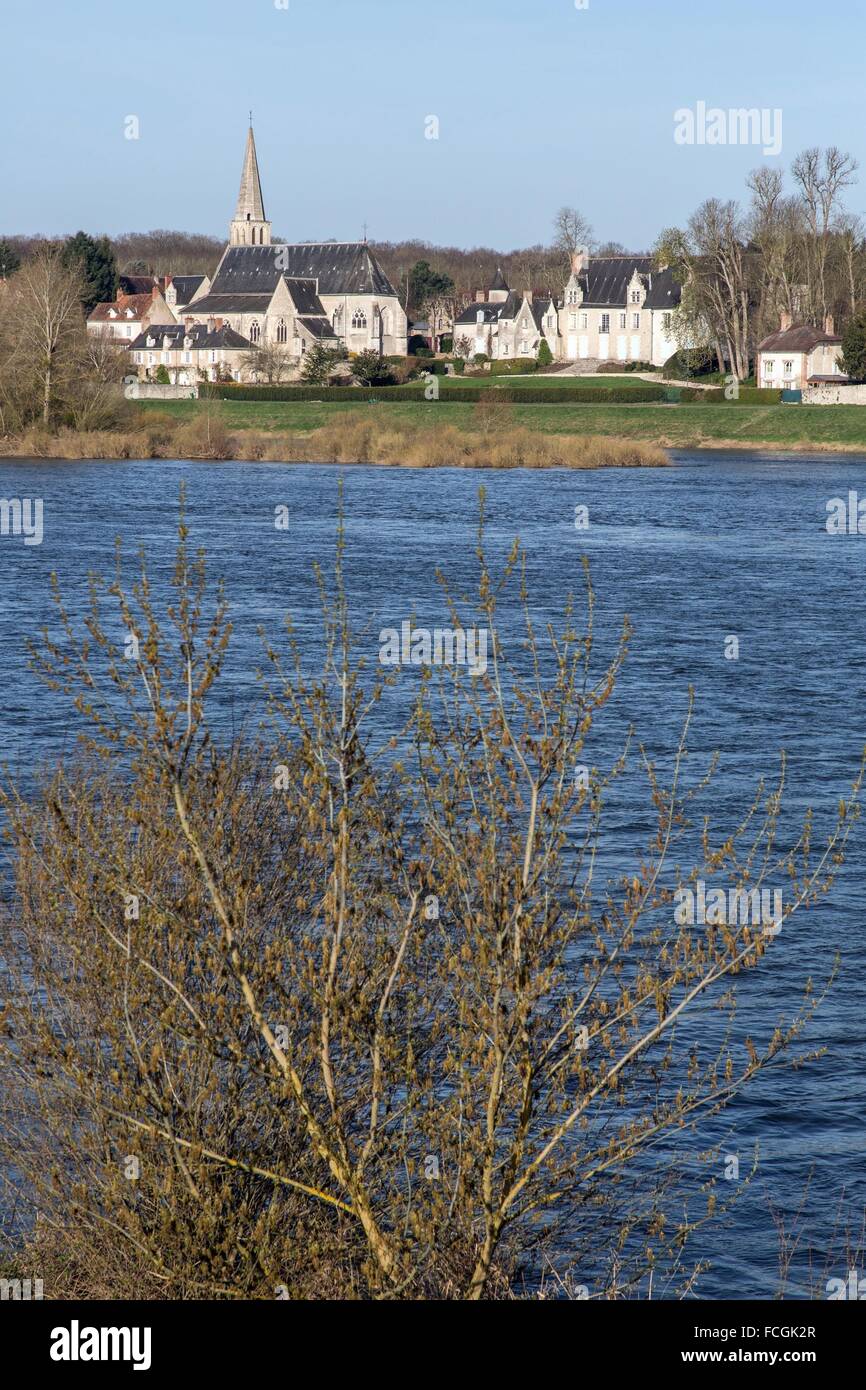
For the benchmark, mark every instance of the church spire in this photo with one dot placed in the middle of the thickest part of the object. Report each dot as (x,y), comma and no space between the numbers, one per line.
(249,225)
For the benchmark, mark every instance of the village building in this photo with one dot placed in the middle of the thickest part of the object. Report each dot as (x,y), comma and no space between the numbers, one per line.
(294,296)
(126,317)
(190,353)
(797,356)
(503,323)
(613,308)
(617,308)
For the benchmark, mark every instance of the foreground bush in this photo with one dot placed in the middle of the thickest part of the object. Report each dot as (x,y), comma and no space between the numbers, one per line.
(335,1016)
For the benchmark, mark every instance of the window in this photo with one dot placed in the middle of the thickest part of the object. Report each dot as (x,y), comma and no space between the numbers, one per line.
(605,323)
(359,319)
(622,320)
(213,356)
(788,368)
(255,334)
(572,321)
(187,357)
(282,331)
(635,296)
(666,322)
(572,297)
(769,366)
(139,357)
(584,320)
(635,321)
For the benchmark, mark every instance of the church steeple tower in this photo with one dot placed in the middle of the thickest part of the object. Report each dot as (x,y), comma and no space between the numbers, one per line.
(249,226)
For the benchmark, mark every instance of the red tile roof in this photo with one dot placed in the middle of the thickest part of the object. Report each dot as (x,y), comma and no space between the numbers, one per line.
(138,303)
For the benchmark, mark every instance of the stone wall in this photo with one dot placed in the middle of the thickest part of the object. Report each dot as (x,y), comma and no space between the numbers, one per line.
(834,395)
(151,391)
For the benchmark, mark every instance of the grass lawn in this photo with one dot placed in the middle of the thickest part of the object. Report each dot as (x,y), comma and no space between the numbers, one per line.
(674,425)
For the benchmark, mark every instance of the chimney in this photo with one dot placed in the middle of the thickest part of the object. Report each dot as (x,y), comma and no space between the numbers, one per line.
(219,324)
(785,321)
(829,325)
(580,260)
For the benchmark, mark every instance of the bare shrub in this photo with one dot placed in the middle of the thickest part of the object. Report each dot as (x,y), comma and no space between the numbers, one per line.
(356,1018)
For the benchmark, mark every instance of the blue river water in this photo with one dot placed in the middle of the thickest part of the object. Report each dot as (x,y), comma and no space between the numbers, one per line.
(718,545)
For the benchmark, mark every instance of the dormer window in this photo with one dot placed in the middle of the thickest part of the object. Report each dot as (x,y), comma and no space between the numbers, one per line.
(112,313)
(130,314)
(635,296)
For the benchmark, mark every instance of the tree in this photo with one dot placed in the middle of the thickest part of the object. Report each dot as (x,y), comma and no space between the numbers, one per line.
(95,258)
(319,363)
(710,260)
(425,284)
(371,369)
(344,1016)
(853,359)
(821,178)
(9,260)
(545,356)
(571,233)
(269,362)
(49,326)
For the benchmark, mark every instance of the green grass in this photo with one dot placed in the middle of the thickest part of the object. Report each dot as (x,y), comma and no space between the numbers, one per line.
(677,425)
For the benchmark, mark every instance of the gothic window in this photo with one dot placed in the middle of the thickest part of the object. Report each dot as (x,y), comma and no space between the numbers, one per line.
(282,331)
(255,332)
(359,319)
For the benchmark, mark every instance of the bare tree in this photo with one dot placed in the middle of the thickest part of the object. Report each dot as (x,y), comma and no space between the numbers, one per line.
(821,179)
(49,323)
(571,233)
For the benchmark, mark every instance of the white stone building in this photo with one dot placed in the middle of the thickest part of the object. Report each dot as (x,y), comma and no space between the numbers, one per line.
(797,356)
(293,296)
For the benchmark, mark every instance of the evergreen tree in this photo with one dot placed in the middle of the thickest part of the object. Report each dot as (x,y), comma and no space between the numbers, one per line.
(98,267)
(853,361)
(9,260)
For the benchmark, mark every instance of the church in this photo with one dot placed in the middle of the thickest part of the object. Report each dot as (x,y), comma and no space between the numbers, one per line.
(294,296)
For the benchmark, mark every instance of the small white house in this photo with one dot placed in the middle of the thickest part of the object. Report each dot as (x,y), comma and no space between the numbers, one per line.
(797,356)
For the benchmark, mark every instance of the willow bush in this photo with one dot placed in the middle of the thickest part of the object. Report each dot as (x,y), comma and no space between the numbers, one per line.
(334,1014)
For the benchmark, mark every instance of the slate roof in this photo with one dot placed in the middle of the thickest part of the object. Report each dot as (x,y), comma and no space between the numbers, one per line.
(802,338)
(231,304)
(305,297)
(224,337)
(186,286)
(498,282)
(347,267)
(135,284)
(664,290)
(320,327)
(490,313)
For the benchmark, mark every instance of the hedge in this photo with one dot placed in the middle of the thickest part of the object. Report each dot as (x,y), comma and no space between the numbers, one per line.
(519,366)
(415,391)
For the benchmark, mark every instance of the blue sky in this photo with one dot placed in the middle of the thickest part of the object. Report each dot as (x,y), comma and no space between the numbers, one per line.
(539,104)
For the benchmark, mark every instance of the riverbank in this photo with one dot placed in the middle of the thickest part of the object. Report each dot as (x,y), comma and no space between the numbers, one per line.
(372,436)
(445,434)
(839,428)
